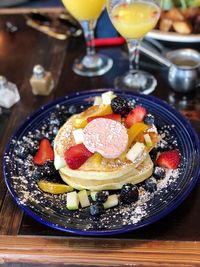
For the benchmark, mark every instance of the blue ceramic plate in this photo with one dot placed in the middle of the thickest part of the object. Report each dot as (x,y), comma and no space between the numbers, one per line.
(51,209)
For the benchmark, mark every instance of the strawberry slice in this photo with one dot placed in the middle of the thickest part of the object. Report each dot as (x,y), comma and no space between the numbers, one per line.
(115,117)
(135,115)
(169,159)
(76,155)
(44,153)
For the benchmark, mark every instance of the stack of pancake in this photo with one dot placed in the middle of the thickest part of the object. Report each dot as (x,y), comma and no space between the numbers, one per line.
(97,173)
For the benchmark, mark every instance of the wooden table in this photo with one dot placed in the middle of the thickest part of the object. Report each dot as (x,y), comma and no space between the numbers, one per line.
(172,241)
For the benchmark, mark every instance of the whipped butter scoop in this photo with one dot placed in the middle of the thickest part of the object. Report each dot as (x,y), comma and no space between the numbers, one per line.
(105,136)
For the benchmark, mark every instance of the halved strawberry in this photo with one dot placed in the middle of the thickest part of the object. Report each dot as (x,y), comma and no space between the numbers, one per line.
(169,159)
(44,153)
(115,117)
(76,155)
(135,115)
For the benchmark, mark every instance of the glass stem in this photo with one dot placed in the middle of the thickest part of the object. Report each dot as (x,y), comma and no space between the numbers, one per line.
(137,57)
(133,51)
(88,30)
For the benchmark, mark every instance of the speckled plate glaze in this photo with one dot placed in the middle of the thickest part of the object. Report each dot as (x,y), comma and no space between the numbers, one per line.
(51,210)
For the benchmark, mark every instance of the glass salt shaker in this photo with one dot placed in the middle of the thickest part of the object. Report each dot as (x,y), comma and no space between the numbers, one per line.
(41,81)
(9,93)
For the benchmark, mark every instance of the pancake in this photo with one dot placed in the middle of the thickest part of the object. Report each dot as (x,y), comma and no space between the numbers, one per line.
(137,175)
(106,174)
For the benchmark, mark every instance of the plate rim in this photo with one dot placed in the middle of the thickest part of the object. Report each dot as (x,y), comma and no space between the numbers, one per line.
(174,37)
(122,229)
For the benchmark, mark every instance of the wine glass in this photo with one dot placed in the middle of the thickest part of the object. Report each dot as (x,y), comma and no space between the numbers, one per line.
(87,13)
(133,19)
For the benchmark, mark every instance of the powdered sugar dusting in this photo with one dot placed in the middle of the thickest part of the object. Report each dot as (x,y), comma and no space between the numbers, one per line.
(170,177)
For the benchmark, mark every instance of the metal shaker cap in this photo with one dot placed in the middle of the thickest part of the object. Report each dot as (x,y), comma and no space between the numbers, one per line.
(3,82)
(38,71)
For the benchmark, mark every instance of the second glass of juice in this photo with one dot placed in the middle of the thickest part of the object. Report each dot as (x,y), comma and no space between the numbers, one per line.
(133,19)
(87,12)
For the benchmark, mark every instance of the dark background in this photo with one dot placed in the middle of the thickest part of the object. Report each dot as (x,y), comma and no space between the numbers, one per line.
(104,27)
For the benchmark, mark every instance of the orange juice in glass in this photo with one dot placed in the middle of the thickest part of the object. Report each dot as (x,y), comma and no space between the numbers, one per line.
(133,19)
(87,12)
(85,9)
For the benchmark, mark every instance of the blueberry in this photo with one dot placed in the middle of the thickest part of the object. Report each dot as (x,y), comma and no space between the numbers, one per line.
(22,152)
(163,148)
(49,135)
(130,104)
(28,169)
(33,148)
(64,110)
(119,106)
(38,174)
(63,113)
(149,119)
(150,185)
(129,193)
(72,110)
(159,173)
(46,170)
(53,129)
(52,143)
(101,197)
(54,120)
(62,119)
(96,209)
(153,154)
(45,127)
(38,135)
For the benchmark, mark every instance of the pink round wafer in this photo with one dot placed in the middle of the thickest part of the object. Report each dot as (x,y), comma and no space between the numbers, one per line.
(105,136)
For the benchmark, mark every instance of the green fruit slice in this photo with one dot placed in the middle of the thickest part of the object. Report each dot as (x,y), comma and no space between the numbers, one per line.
(59,162)
(112,201)
(83,198)
(93,195)
(148,140)
(72,200)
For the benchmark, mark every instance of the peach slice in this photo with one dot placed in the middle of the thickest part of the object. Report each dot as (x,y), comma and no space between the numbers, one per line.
(135,130)
(80,121)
